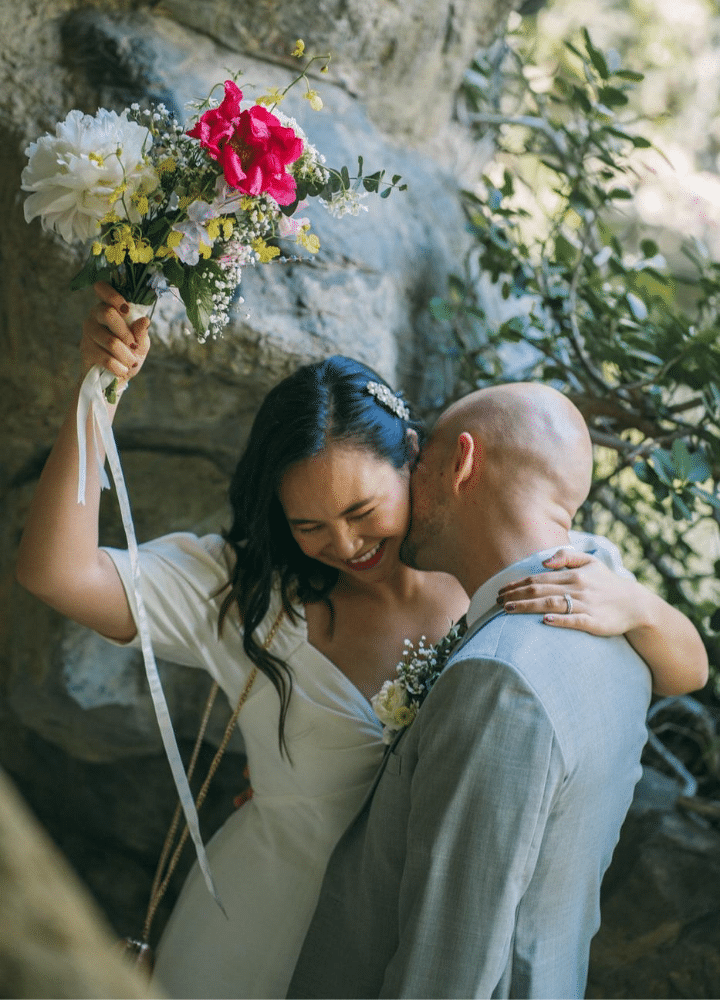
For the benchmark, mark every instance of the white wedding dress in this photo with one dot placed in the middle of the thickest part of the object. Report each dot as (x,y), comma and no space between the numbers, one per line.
(269,858)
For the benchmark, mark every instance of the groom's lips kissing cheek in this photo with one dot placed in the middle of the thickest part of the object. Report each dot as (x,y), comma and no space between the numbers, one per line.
(369,559)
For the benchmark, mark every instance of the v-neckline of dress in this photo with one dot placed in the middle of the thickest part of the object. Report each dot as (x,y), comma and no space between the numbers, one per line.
(336,672)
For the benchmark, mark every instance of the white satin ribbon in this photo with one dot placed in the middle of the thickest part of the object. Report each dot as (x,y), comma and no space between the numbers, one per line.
(92,404)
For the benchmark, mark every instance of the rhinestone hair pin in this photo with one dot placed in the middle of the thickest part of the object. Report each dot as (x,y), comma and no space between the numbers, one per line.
(387,398)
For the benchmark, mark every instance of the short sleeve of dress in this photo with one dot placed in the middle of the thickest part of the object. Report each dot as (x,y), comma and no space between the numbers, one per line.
(602,549)
(183,580)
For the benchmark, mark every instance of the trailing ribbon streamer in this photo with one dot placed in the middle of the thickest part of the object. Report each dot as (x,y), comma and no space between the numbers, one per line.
(92,404)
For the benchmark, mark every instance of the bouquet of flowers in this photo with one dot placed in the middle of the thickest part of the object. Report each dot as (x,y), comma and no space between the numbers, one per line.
(397,702)
(166,206)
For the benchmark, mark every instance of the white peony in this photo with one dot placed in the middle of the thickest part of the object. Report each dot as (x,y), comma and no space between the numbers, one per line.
(75,175)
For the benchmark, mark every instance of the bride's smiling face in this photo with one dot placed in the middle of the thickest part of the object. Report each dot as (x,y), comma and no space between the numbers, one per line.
(349,509)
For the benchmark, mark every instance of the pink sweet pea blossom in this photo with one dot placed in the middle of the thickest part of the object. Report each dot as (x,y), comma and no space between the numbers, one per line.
(252,146)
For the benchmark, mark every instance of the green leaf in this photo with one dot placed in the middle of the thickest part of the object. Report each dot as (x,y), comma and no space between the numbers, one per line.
(664,465)
(715,621)
(640,142)
(681,458)
(712,498)
(680,510)
(613,97)
(345,177)
(360,166)
(87,275)
(643,471)
(565,252)
(629,74)
(371,183)
(700,470)
(596,57)
(649,248)
(197,298)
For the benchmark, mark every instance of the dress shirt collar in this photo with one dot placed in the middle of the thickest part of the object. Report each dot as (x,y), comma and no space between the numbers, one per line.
(484,600)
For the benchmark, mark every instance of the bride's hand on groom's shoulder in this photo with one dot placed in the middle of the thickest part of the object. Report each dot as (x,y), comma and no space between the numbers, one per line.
(601,602)
(108,341)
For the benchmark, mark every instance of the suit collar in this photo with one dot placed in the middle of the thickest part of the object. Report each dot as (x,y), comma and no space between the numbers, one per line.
(484,601)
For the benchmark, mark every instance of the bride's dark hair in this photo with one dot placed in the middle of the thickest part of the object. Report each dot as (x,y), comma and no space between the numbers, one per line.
(320,403)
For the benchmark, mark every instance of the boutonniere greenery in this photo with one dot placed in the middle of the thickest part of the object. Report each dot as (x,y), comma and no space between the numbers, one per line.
(397,702)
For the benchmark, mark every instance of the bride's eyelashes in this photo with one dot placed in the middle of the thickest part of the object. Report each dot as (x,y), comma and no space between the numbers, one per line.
(316,527)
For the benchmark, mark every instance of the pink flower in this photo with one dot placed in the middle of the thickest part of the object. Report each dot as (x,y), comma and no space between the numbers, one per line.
(252,146)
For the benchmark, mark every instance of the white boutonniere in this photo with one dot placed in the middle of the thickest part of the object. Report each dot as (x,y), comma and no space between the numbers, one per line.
(397,702)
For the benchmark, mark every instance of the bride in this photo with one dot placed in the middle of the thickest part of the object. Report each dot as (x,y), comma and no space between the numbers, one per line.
(307,585)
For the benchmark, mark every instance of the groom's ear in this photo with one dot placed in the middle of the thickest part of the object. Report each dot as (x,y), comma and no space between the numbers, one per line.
(413,445)
(464,458)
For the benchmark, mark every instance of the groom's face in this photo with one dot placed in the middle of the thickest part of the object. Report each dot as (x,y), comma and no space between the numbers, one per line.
(422,547)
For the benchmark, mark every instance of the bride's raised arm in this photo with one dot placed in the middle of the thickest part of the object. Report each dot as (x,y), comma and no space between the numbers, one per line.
(605,603)
(59,559)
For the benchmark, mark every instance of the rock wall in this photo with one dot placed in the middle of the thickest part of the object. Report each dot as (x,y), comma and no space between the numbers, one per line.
(77,730)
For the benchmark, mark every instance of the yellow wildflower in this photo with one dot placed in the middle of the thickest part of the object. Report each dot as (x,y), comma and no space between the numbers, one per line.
(115,254)
(174,239)
(141,203)
(140,252)
(188,199)
(315,100)
(299,49)
(119,191)
(264,252)
(204,250)
(213,228)
(109,218)
(308,240)
(247,203)
(166,166)
(273,96)
(227,227)
(97,248)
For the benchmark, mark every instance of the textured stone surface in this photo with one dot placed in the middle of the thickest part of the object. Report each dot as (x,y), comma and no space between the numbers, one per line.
(660,933)
(404,59)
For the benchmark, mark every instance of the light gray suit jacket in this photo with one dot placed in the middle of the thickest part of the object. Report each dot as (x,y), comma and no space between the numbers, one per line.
(474,866)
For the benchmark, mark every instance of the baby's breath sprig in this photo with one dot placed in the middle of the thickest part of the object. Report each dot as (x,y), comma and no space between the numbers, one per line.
(398,701)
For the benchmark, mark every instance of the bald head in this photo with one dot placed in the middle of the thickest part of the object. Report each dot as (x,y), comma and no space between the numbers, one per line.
(530,437)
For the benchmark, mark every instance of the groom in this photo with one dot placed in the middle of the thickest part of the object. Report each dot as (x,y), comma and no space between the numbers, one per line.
(474,866)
